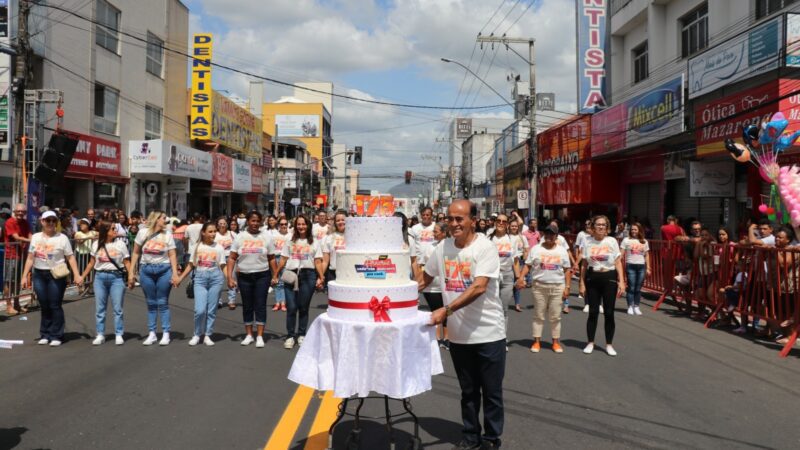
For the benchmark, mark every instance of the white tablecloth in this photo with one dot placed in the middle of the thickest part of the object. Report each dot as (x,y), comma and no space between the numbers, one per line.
(396,359)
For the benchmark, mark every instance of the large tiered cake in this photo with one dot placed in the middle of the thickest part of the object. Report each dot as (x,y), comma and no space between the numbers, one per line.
(372,273)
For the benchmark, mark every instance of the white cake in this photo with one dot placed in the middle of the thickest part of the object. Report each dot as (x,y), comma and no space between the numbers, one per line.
(373,273)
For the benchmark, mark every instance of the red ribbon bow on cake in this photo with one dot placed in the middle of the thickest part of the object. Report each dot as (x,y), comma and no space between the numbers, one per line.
(380,309)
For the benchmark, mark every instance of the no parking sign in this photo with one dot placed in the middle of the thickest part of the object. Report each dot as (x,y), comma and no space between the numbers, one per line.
(523,200)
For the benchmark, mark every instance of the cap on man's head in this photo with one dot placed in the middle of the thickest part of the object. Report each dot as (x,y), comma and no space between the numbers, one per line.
(494,215)
(551,229)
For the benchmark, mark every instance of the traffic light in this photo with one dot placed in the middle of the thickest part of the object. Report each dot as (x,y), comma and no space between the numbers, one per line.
(357,155)
(408,177)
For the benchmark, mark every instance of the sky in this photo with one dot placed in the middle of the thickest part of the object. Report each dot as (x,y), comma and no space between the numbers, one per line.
(391,50)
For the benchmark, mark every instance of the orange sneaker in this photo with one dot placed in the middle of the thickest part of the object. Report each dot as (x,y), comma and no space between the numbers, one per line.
(276,307)
(536,347)
(283,306)
(557,348)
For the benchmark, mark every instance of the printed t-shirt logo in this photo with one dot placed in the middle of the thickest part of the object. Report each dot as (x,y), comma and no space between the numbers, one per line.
(252,247)
(225,242)
(301,252)
(600,253)
(504,249)
(636,248)
(321,233)
(103,255)
(338,243)
(426,236)
(458,275)
(155,246)
(43,250)
(279,242)
(551,262)
(206,258)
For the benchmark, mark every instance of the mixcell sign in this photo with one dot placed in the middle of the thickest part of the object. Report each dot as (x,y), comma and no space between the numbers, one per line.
(591,21)
(200,116)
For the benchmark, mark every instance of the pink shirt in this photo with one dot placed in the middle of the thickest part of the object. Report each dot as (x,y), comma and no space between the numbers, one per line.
(532,236)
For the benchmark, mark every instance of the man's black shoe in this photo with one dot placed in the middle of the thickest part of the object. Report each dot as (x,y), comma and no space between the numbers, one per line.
(489,445)
(466,445)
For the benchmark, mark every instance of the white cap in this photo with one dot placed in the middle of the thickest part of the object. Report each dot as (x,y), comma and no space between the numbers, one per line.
(49,214)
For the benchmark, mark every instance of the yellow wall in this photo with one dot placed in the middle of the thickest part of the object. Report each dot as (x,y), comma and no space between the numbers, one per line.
(314,145)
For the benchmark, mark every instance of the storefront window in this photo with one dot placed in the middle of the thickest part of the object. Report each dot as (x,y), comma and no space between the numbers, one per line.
(108,195)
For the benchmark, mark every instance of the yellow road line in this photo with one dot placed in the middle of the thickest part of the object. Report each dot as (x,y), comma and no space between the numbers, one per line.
(284,432)
(318,435)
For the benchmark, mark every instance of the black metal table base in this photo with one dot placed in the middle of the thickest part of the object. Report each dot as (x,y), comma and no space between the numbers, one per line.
(354,438)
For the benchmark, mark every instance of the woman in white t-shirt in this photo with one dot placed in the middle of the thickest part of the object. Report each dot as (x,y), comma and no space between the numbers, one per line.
(551,271)
(433,293)
(303,256)
(155,258)
(509,264)
(279,239)
(110,261)
(50,251)
(224,238)
(602,280)
(521,245)
(637,265)
(333,242)
(250,255)
(207,259)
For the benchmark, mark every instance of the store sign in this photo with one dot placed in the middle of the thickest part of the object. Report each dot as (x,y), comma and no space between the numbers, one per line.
(712,179)
(592,19)
(645,118)
(256,176)
(235,127)
(792,40)
(95,156)
(725,118)
(297,125)
(564,170)
(200,116)
(165,158)
(743,56)
(178,185)
(463,128)
(222,179)
(242,179)
(643,169)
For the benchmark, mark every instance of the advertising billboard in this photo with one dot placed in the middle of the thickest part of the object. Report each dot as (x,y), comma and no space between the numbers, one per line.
(564,168)
(298,125)
(200,102)
(242,180)
(591,17)
(162,157)
(235,127)
(222,179)
(95,156)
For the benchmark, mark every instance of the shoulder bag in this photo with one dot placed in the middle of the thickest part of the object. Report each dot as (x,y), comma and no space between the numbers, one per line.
(59,270)
(121,270)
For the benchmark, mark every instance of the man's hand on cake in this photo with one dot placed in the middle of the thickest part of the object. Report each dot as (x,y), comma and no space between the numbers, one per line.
(438,316)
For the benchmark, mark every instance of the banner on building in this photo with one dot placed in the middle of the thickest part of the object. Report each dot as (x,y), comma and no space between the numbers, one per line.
(200,112)
(748,54)
(297,125)
(792,40)
(256,179)
(34,201)
(166,158)
(223,172)
(95,156)
(712,179)
(645,118)
(591,23)
(235,127)
(564,167)
(242,180)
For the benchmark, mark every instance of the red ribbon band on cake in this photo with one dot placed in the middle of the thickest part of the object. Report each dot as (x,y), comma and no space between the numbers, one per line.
(380,308)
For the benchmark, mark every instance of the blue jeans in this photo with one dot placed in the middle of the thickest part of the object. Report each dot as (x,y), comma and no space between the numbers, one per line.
(50,293)
(156,280)
(635,273)
(254,288)
(480,369)
(109,283)
(207,286)
(298,302)
(280,290)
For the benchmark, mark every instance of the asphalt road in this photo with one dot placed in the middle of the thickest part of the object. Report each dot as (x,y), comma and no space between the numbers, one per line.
(673,385)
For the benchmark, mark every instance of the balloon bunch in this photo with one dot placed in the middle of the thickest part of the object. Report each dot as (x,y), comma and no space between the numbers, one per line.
(761,147)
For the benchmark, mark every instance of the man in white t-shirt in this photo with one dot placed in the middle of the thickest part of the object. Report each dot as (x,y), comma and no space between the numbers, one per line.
(468,267)
(422,233)
(192,233)
(320,228)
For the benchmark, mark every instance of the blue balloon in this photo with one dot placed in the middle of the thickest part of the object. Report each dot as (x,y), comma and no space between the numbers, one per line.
(785,141)
(750,134)
(773,129)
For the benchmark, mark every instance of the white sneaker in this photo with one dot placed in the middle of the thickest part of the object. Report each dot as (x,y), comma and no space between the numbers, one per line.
(118,340)
(288,344)
(300,340)
(630,310)
(55,343)
(270,290)
(207,340)
(601,310)
(610,350)
(580,296)
(589,348)
(164,339)
(637,311)
(194,340)
(586,308)
(43,341)
(151,339)
(247,340)
(259,342)
(99,340)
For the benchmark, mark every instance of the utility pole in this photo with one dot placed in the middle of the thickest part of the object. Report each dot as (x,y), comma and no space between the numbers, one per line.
(532,105)
(21,73)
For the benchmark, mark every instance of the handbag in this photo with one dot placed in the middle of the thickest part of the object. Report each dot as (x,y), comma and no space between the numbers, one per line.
(289,278)
(58,271)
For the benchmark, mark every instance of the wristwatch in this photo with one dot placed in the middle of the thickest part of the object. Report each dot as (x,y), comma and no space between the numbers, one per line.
(448,311)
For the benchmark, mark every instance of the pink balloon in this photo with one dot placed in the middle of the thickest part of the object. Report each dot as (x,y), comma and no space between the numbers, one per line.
(762,209)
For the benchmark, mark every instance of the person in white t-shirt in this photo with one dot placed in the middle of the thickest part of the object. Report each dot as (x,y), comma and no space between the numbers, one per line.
(225,237)
(522,249)
(422,233)
(433,293)
(320,228)
(578,260)
(551,268)
(251,257)
(637,265)
(332,243)
(207,263)
(279,239)
(155,259)
(469,266)
(509,262)
(303,256)
(110,260)
(50,250)
(602,280)
(192,234)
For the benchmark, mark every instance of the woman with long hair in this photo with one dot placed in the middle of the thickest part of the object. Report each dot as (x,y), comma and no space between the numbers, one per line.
(157,263)
(251,257)
(509,264)
(272,224)
(433,293)
(481,226)
(233,225)
(303,256)
(110,260)
(279,240)
(637,265)
(224,238)
(49,254)
(521,248)
(601,280)
(333,242)
(207,259)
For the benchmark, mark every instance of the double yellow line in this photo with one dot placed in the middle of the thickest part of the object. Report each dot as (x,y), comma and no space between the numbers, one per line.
(317,439)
